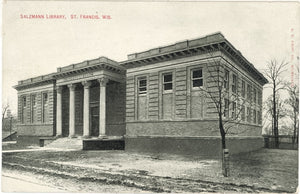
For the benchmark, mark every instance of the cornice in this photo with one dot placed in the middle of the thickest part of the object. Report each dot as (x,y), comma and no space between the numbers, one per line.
(207,44)
(90,65)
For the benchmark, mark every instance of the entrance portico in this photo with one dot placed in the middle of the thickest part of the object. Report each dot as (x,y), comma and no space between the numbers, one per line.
(76,102)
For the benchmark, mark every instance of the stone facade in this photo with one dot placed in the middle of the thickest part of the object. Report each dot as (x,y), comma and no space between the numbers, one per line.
(166,112)
(155,99)
(85,99)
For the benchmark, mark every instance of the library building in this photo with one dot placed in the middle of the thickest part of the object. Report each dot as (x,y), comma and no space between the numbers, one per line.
(163,100)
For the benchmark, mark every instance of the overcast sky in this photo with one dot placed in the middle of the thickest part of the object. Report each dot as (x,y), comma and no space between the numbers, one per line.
(33,47)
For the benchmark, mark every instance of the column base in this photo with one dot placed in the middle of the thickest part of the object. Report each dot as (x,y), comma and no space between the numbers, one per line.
(72,136)
(58,136)
(103,137)
(86,137)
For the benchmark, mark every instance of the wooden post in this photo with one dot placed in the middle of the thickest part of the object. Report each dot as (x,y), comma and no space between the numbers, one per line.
(225,162)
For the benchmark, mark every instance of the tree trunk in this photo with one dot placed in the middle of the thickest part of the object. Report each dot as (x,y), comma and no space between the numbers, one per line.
(225,154)
(275,118)
(295,129)
(222,131)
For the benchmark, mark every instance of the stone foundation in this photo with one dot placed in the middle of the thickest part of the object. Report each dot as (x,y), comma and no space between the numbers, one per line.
(208,147)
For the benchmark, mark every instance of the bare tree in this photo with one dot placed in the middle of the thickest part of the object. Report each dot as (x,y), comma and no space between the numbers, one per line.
(4,109)
(227,99)
(293,102)
(280,109)
(273,73)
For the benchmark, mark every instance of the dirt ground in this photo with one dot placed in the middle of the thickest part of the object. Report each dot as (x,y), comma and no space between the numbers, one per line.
(265,170)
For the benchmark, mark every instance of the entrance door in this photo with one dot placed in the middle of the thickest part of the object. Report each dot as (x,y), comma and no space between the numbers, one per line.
(94,121)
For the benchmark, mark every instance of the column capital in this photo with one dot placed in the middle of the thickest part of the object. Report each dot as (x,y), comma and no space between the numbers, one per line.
(59,89)
(72,86)
(103,81)
(86,84)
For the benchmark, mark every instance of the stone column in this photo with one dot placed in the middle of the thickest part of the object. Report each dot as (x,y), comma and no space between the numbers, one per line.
(102,107)
(86,108)
(59,111)
(72,111)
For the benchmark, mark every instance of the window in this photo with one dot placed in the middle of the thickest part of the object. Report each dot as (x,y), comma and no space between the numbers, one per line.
(233,113)
(254,95)
(33,101)
(168,82)
(33,108)
(234,83)
(249,92)
(45,107)
(24,101)
(248,114)
(24,114)
(254,116)
(226,79)
(259,97)
(45,99)
(197,78)
(243,88)
(259,117)
(142,85)
(243,113)
(226,106)
(142,98)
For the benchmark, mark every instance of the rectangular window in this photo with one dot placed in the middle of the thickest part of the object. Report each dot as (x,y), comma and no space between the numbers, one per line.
(254,95)
(259,96)
(24,114)
(142,98)
(254,116)
(142,85)
(259,117)
(243,113)
(33,108)
(197,78)
(24,101)
(249,96)
(45,107)
(226,79)
(243,89)
(233,112)
(234,83)
(45,99)
(248,114)
(168,82)
(226,107)
(33,101)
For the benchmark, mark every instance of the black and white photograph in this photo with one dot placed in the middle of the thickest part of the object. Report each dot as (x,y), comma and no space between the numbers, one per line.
(150,96)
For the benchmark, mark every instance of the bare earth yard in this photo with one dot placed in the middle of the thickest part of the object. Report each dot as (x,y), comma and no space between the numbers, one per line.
(265,170)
